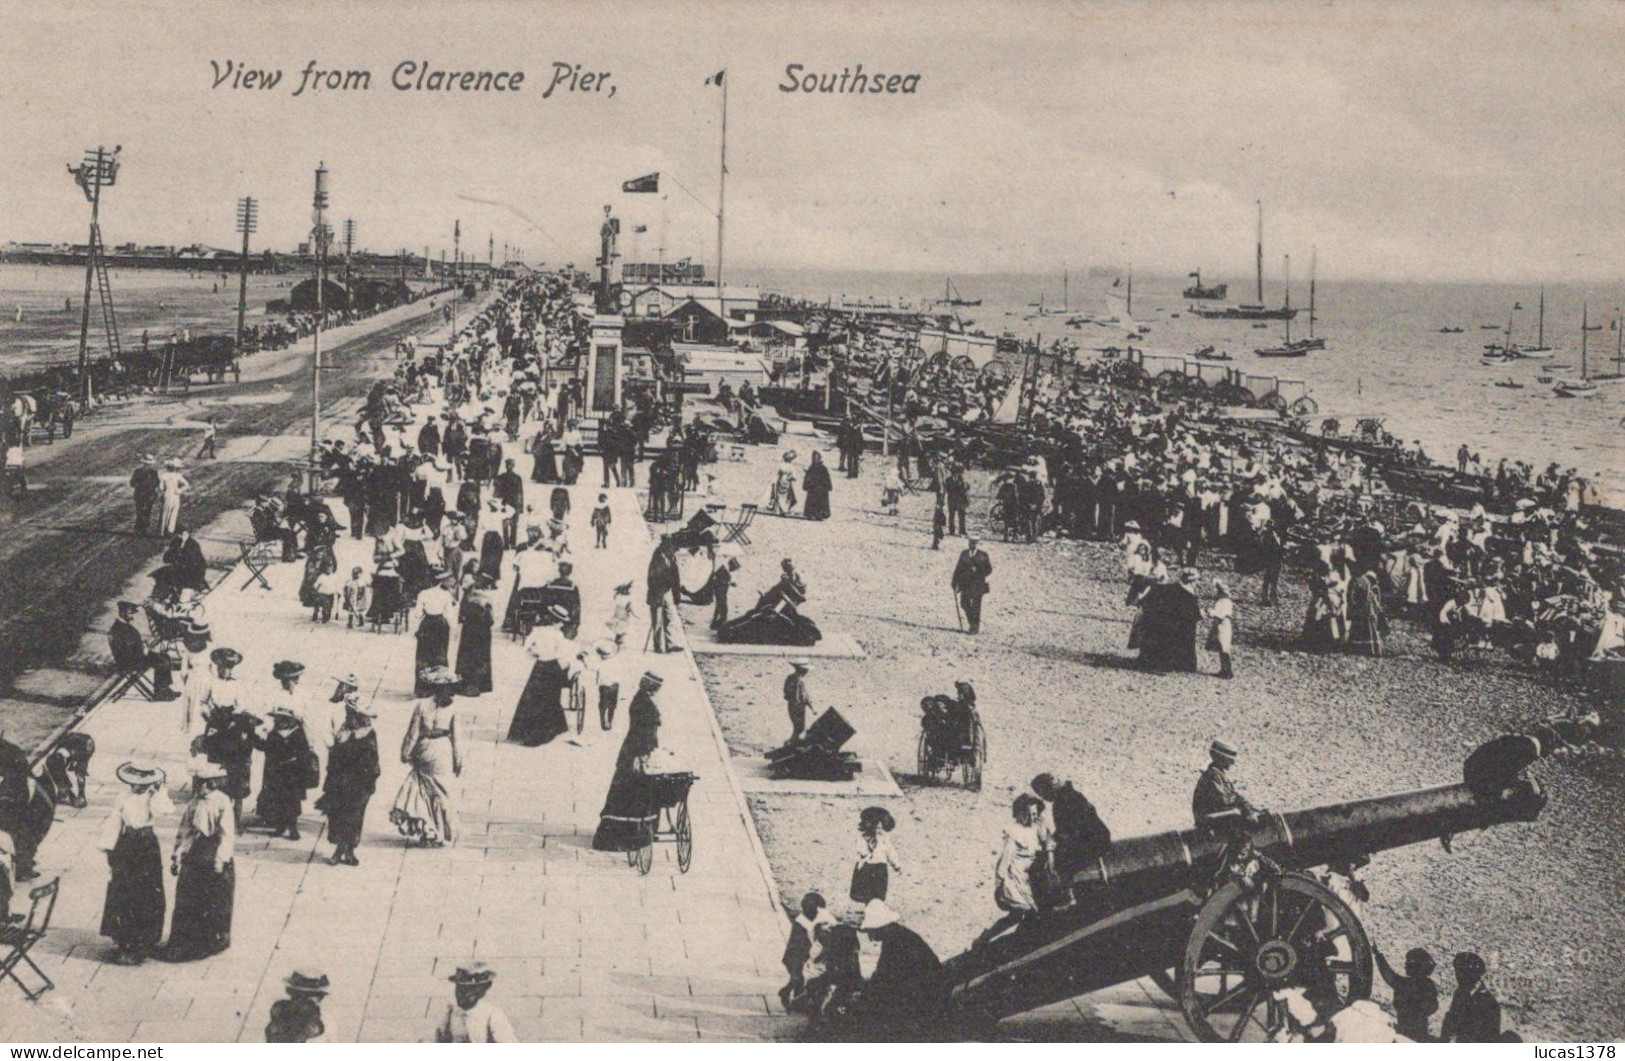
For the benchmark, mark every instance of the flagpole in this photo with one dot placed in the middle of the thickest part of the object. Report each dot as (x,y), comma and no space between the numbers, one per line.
(722,187)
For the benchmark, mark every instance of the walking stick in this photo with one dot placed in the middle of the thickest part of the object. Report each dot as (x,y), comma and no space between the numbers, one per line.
(959,618)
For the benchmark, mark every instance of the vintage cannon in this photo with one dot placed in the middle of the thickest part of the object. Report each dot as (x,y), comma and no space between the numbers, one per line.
(1235,924)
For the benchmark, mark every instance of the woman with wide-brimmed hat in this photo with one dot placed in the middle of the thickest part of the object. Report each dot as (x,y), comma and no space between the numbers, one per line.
(298,1018)
(423,807)
(352,775)
(205,847)
(290,761)
(133,914)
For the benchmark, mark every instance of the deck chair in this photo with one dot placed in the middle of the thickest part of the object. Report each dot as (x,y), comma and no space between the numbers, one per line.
(736,530)
(257,556)
(17,940)
(137,680)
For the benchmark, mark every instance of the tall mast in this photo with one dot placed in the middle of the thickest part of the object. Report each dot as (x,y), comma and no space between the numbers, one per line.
(1540,340)
(1260,255)
(1585,322)
(1130,300)
(1287,299)
(722,191)
(1313,255)
(1066,290)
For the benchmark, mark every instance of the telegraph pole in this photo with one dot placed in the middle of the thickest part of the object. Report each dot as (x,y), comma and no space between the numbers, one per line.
(456,271)
(320,236)
(349,248)
(248,219)
(99,170)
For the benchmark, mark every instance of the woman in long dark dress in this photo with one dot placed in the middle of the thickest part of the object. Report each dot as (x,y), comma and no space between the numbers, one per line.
(352,777)
(539,716)
(133,915)
(474,643)
(817,485)
(205,848)
(545,468)
(433,634)
(319,559)
(285,781)
(619,823)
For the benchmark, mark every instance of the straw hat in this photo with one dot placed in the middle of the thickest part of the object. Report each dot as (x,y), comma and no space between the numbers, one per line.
(472,974)
(877,915)
(299,983)
(226,657)
(135,774)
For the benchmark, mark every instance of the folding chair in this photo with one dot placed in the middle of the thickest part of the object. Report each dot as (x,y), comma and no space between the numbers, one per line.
(735,531)
(137,680)
(17,940)
(257,556)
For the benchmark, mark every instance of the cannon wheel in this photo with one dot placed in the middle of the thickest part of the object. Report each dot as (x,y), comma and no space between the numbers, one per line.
(1289,931)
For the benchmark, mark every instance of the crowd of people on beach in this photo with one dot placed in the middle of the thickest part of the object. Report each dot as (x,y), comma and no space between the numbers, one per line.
(420,521)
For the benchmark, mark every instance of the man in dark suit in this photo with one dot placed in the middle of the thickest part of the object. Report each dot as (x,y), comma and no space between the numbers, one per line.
(509,488)
(131,656)
(970,583)
(144,481)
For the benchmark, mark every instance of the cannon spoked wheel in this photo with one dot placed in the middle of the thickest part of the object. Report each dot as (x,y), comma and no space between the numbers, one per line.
(1290,931)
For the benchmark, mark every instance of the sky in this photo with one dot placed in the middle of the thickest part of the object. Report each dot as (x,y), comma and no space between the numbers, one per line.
(1427,141)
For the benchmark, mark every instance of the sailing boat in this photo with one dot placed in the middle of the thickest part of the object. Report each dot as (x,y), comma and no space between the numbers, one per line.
(1288,348)
(1583,387)
(1618,375)
(1312,343)
(950,296)
(1540,351)
(1250,311)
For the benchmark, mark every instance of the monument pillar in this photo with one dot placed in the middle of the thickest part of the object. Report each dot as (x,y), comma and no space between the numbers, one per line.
(601,385)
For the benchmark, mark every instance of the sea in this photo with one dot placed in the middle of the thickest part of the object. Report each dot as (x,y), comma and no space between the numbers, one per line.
(1385,355)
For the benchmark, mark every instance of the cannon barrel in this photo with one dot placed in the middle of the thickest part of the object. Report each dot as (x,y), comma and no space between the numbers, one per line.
(1494,792)
(1153,903)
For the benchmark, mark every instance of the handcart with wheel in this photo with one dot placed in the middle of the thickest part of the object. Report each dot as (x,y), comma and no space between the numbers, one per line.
(951,741)
(664,820)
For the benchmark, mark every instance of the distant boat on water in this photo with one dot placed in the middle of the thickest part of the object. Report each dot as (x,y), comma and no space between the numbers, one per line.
(1250,311)
(1197,292)
(1288,348)
(1583,387)
(951,297)
(1451,331)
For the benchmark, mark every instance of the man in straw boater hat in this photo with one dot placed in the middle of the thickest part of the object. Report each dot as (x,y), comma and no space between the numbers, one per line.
(133,914)
(352,775)
(204,864)
(619,821)
(469,1017)
(298,1018)
(144,484)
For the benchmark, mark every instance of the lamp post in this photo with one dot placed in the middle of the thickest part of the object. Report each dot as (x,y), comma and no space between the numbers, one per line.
(248,220)
(319,235)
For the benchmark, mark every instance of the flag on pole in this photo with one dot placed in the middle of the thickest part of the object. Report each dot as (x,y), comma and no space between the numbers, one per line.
(716,78)
(1194,276)
(649,183)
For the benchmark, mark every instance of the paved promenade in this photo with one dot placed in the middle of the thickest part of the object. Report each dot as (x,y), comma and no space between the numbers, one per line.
(584,948)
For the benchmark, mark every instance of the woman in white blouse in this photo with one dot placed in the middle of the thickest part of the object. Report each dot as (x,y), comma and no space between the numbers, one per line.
(205,849)
(133,915)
